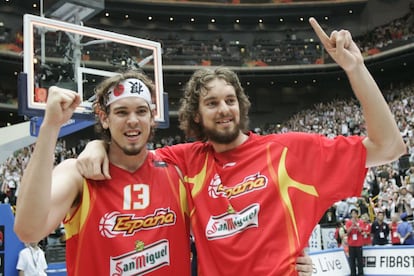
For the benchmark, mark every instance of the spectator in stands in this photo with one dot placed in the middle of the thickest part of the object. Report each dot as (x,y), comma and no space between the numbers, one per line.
(341,210)
(10,185)
(355,232)
(380,230)
(366,234)
(340,232)
(410,178)
(392,206)
(32,261)
(395,238)
(404,202)
(329,218)
(405,231)
(363,202)
(352,204)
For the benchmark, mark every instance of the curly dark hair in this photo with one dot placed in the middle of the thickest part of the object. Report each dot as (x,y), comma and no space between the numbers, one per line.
(101,94)
(190,101)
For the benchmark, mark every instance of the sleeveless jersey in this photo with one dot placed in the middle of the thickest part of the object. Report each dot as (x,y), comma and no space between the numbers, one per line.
(134,224)
(253,208)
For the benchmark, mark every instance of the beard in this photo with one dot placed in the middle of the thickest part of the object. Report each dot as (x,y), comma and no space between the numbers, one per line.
(221,137)
(130,151)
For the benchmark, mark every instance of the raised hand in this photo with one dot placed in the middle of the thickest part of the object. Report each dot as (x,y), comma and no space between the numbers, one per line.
(61,103)
(340,46)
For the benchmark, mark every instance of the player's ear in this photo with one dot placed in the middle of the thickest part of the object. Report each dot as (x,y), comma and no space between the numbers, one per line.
(153,112)
(103,118)
(197,118)
(153,123)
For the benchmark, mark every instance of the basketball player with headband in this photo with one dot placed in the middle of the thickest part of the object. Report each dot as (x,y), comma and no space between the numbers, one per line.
(133,224)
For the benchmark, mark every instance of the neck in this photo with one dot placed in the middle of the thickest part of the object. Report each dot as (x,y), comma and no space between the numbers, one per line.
(218,147)
(127,162)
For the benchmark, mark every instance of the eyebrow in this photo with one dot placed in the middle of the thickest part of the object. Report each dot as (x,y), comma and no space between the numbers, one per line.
(122,107)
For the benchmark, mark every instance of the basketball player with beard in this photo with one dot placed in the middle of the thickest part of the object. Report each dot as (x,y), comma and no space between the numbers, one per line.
(254,200)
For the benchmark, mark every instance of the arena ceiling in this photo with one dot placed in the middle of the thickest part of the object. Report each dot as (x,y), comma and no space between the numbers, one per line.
(384,66)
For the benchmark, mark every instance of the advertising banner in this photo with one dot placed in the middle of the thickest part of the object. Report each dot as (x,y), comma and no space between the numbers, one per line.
(388,260)
(330,262)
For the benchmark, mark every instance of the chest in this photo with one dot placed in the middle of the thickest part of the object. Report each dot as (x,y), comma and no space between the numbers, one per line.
(131,203)
(380,227)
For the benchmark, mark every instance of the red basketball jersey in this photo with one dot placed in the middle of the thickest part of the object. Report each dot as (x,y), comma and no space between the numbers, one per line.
(253,208)
(134,224)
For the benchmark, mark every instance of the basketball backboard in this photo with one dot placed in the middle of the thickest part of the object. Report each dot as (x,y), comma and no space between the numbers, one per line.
(78,58)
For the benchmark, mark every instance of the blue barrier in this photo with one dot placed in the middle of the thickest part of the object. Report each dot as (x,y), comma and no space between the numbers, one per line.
(10,245)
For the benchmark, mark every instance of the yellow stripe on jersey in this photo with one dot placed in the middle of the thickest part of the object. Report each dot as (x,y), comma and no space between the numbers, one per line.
(73,222)
(285,182)
(183,199)
(198,180)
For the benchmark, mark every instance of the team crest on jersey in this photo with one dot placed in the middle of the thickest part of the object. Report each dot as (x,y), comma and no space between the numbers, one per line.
(116,223)
(229,224)
(140,262)
(249,184)
(139,245)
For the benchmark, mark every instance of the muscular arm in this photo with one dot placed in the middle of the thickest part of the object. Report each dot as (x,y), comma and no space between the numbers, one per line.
(383,142)
(47,194)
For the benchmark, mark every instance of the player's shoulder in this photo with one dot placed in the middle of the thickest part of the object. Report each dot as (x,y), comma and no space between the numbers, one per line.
(67,169)
(184,148)
(284,138)
(67,164)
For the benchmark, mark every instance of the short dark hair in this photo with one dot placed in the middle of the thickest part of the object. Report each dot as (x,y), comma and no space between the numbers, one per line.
(354,210)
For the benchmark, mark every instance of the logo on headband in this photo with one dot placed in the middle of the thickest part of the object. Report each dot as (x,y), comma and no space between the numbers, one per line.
(118,90)
(129,88)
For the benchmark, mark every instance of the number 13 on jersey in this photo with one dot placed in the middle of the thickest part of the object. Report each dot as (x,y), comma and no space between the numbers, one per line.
(136,196)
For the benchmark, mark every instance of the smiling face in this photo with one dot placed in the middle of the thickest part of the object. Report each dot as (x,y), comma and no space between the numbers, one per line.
(219,112)
(209,82)
(130,123)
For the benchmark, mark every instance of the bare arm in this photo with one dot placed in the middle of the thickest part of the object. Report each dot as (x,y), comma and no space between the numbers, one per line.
(47,194)
(383,142)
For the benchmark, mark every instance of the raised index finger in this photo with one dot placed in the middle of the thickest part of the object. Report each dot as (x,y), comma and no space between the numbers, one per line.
(324,38)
